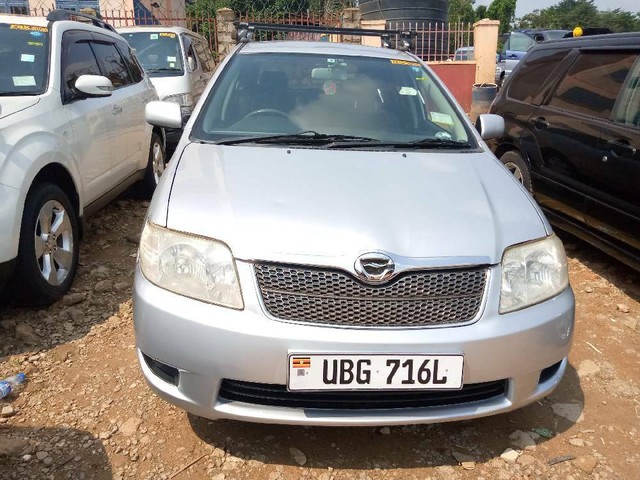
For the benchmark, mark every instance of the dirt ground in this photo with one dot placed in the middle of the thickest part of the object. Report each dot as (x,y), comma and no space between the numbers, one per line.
(86,411)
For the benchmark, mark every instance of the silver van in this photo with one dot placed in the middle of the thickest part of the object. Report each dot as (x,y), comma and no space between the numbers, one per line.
(178,61)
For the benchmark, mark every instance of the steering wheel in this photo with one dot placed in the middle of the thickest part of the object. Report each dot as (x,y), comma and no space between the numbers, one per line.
(266,111)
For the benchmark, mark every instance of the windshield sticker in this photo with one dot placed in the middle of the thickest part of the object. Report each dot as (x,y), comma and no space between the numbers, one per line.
(422,79)
(405,62)
(166,34)
(26,81)
(171,59)
(443,136)
(441,118)
(172,65)
(153,36)
(29,28)
(26,57)
(408,91)
(35,44)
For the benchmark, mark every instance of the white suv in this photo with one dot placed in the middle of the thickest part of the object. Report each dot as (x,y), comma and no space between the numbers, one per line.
(72,137)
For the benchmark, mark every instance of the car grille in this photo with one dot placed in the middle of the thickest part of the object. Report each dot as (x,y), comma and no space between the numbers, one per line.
(413,299)
(277,395)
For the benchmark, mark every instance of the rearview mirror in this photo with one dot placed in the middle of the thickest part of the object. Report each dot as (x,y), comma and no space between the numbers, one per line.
(490,126)
(94,85)
(163,114)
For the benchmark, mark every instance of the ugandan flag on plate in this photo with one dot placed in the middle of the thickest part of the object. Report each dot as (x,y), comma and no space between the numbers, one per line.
(301,362)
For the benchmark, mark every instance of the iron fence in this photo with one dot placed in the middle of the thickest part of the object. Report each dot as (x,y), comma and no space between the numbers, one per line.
(433,42)
(439,42)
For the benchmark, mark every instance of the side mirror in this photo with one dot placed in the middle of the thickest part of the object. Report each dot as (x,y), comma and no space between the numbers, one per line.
(192,63)
(490,126)
(94,85)
(163,114)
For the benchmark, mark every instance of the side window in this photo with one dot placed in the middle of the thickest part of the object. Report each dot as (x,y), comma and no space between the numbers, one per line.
(79,61)
(113,64)
(520,42)
(189,51)
(627,109)
(134,67)
(533,73)
(204,55)
(592,83)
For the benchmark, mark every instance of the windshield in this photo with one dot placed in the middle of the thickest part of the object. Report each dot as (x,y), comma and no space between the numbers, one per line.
(318,96)
(158,52)
(24,54)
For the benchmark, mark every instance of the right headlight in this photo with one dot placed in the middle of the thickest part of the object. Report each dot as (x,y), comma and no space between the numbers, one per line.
(196,267)
(532,272)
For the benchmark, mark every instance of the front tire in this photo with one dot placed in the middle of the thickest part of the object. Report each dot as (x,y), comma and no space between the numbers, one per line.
(48,249)
(155,166)
(518,167)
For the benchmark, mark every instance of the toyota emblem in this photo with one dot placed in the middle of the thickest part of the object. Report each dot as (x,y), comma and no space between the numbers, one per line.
(374,267)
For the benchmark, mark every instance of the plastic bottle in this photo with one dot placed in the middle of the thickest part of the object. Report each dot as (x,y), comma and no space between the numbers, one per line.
(5,389)
(8,384)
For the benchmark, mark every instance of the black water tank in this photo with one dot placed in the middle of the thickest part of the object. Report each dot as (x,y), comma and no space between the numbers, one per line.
(399,11)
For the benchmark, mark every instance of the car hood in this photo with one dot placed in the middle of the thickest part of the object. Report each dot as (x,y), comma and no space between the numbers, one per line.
(11,105)
(320,206)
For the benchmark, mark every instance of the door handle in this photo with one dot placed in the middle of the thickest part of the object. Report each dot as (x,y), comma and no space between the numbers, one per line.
(621,147)
(540,123)
(116,109)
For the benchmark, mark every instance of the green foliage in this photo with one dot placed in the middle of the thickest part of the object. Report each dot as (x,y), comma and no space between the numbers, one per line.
(481,12)
(503,10)
(461,11)
(568,14)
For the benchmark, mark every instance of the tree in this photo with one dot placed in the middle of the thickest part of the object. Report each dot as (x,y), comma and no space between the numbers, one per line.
(503,10)
(481,12)
(619,20)
(461,11)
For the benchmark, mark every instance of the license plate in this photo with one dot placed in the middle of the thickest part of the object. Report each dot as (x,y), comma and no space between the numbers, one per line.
(375,372)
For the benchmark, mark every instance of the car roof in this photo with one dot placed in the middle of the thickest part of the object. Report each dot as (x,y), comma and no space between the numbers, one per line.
(24,20)
(611,39)
(324,48)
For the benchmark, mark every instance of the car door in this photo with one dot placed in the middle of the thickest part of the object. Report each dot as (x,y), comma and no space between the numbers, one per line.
(207,64)
(90,118)
(614,208)
(130,142)
(568,127)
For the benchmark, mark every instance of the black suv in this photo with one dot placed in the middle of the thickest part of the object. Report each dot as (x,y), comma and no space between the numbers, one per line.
(572,136)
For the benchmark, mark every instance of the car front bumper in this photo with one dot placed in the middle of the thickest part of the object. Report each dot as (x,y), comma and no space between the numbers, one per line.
(207,344)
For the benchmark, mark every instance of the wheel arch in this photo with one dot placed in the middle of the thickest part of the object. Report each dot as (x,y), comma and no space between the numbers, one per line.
(58,175)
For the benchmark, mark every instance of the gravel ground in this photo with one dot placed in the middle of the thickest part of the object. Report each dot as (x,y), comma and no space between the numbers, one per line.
(86,411)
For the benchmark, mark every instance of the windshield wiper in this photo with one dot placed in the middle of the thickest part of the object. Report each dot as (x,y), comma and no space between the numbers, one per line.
(437,143)
(164,69)
(308,137)
(414,145)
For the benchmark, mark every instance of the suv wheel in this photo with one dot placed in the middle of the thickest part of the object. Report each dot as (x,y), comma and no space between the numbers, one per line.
(518,167)
(155,165)
(48,251)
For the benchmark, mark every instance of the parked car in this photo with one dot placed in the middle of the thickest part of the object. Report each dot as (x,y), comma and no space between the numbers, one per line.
(464,53)
(517,44)
(334,244)
(72,137)
(179,62)
(573,137)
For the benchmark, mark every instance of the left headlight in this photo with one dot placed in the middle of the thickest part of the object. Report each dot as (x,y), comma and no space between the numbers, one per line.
(196,267)
(532,272)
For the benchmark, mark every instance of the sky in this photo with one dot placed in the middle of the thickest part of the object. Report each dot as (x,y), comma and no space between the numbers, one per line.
(525,6)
